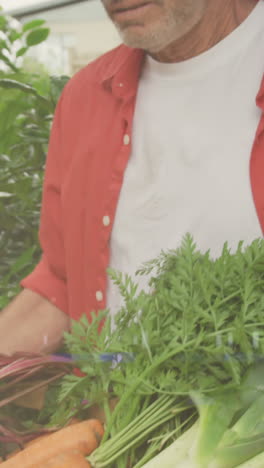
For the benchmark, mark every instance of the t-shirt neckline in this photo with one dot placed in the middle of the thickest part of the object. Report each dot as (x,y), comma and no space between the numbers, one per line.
(216,55)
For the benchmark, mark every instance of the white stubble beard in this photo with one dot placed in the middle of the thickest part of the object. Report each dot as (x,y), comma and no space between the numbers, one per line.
(162,34)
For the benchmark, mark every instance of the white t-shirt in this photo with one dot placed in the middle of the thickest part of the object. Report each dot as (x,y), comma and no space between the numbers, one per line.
(193,132)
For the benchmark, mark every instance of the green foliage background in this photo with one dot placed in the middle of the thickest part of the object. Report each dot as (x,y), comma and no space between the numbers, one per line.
(27,104)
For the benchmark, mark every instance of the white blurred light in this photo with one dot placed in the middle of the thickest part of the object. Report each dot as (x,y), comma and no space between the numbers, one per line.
(12,4)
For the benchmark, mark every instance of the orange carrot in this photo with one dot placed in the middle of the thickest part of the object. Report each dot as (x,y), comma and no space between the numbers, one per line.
(84,437)
(69,459)
(38,438)
(27,444)
(42,436)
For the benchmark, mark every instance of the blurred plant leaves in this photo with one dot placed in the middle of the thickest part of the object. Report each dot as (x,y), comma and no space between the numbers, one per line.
(13,84)
(33,24)
(57,83)
(21,51)
(37,36)
(27,104)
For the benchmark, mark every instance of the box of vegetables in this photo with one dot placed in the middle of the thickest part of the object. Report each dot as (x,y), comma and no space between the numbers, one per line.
(178,382)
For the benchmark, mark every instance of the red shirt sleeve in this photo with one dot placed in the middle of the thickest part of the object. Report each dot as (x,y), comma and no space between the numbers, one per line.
(49,278)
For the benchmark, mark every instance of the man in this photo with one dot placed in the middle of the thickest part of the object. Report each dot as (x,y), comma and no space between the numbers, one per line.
(156,138)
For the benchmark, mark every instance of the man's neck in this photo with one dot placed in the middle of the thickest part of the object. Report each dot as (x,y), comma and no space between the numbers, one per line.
(220,19)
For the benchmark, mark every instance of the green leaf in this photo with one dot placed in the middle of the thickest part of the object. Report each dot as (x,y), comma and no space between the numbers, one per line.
(14,35)
(3,22)
(33,24)
(37,36)
(3,45)
(13,84)
(8,62)
(57,84)
(21,263)
(21,51)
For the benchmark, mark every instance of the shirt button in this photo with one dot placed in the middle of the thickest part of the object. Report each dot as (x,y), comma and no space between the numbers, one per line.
(106,220)
(99,296)
(126,139)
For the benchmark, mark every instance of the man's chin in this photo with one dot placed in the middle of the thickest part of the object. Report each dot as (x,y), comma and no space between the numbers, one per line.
(136,40)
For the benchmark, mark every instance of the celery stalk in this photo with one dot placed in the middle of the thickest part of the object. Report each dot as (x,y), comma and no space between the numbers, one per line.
(256,462)
(210,444)
(231,456)
(244,440)
(176,453)
(216,415)
(251,423)
(253,384)
(196,447)
(218,445)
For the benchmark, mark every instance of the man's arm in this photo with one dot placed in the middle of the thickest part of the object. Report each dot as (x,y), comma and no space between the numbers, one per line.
(31,323)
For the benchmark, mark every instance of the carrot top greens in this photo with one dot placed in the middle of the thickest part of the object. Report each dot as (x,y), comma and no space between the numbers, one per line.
(199,329)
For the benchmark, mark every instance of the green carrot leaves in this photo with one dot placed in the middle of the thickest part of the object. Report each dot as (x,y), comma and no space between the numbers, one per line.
(198,329)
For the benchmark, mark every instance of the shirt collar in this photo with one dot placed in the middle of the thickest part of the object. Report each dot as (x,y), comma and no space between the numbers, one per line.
(121,75)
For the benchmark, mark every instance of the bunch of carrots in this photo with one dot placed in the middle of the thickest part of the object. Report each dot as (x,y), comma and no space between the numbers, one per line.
(65,448)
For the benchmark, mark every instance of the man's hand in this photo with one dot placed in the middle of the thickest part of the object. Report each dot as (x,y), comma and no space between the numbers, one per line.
(31,323)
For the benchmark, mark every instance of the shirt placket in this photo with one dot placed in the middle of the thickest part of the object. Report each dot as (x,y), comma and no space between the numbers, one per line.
(111,196)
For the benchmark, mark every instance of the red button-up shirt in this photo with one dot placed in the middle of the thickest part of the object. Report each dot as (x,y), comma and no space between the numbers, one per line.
(88,153)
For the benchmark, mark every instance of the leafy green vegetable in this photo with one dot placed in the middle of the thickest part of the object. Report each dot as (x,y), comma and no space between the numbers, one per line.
(229,431)
(199,330)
